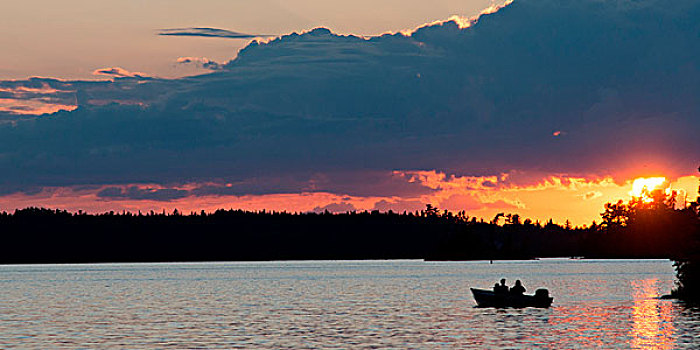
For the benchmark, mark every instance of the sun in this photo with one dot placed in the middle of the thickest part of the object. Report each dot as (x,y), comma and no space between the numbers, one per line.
(642,186)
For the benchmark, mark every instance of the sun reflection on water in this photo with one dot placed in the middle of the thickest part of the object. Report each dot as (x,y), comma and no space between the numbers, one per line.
(652,322)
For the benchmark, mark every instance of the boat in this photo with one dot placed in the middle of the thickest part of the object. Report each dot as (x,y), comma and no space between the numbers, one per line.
(488,298)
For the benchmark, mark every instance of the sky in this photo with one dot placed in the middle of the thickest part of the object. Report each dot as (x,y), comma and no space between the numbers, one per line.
(71,39)
(543,108)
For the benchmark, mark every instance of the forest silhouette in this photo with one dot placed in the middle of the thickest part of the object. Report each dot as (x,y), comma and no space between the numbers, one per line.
(38,235)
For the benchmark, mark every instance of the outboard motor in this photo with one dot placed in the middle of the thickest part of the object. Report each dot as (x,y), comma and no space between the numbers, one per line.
(542,294)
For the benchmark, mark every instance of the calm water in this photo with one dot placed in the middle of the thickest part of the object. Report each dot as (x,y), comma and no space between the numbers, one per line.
(377,304)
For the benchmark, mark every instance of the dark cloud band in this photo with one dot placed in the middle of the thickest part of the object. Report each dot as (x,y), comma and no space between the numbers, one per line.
(209,33)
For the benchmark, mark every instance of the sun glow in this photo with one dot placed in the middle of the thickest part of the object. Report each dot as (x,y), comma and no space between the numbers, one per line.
(642,186)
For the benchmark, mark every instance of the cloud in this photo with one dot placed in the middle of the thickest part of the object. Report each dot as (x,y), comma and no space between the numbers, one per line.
(341,207)
(35,96)
(470,202)
(368,183)
(488,183)
(460,21)
(32,106)
(342,113)
(399,206)
(503,205)
(202,62)
(39,95)
(137,193)
(591,195)
(351,185)
(118,72)
(209,33)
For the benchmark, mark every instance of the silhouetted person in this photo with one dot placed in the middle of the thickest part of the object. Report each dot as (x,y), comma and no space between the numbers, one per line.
(517,289)
(501,288)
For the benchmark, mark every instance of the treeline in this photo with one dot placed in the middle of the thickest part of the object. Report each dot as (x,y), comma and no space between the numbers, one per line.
(652,223)
(37,235)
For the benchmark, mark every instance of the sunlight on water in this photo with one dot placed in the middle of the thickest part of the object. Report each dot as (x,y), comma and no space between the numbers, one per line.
(375,304)
(652,322)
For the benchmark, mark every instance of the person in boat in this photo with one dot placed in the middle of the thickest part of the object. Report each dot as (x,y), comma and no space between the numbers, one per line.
(517,289)
(501,288)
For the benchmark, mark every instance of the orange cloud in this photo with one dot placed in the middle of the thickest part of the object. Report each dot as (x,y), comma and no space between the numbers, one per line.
(22,90)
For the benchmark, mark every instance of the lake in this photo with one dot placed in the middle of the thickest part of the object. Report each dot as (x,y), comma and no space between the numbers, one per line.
(343,304)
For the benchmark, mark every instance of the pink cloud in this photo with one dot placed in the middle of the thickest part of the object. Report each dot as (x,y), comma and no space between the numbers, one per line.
(28,107)
(36,100)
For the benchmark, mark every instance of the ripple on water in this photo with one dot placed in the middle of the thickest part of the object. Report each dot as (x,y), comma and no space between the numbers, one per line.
(388,304)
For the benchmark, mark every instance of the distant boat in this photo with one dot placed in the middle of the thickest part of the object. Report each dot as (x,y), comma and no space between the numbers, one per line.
(487,298)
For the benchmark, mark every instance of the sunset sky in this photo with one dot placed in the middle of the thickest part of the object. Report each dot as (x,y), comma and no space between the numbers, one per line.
(544,108)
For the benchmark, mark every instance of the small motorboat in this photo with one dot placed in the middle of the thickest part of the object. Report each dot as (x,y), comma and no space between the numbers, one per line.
(488,298)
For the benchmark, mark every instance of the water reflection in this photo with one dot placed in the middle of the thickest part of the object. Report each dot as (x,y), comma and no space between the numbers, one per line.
(597,305)
(590,325)
(652,319)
